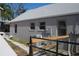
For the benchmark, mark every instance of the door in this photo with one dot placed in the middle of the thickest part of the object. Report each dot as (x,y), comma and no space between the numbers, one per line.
(61,28)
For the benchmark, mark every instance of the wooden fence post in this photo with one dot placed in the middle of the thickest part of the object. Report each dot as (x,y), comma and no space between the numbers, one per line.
(57,48)
(30,47)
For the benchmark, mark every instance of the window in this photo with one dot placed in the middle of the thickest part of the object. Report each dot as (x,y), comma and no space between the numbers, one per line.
(32,26)
(42,25)
(15,28)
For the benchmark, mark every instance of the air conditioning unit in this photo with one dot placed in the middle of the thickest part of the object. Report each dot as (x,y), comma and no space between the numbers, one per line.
(39,36)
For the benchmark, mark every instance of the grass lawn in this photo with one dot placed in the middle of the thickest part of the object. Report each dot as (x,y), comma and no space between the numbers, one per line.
(20,40)
(18,50)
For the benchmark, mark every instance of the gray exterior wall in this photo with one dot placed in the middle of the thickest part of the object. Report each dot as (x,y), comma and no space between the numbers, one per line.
(24,31)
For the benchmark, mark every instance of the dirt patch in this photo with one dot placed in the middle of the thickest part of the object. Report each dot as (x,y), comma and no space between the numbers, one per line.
(18,50)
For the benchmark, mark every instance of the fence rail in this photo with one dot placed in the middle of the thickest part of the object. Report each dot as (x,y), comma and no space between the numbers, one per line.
(57,40)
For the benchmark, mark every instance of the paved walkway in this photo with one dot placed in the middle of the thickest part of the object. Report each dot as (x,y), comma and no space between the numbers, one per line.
(26,48)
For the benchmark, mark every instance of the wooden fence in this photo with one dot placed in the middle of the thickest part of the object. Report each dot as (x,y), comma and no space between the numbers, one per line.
(58,39)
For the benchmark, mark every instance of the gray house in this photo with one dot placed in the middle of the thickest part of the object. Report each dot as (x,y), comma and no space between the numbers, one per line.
(49,20)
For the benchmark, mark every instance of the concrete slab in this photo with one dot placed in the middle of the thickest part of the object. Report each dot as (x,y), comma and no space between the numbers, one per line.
(5,49)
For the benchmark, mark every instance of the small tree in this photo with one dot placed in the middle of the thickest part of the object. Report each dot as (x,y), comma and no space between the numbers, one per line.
(7,13)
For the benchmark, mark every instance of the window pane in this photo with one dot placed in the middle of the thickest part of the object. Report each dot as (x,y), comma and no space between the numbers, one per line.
(42,25)
(32,26)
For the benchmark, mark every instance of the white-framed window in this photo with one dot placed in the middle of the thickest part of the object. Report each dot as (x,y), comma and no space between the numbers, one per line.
(32,26)
(42,25)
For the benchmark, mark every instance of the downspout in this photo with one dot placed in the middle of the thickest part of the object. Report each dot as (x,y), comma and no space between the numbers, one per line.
(51,31)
